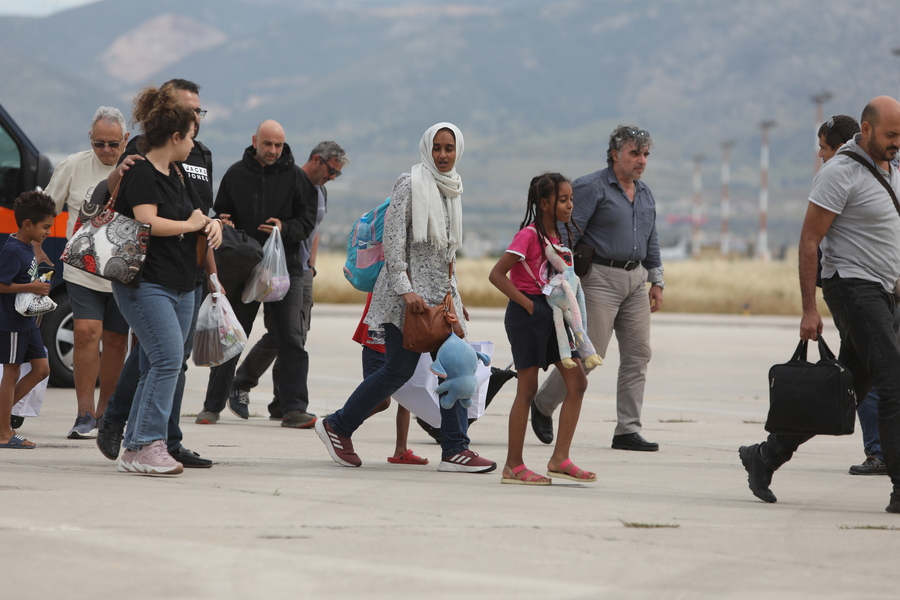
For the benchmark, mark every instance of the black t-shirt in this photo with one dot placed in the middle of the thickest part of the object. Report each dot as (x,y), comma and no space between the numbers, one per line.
(170,262)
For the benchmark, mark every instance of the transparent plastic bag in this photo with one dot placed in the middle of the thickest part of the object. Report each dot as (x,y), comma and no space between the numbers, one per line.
(269,281)
(218,336)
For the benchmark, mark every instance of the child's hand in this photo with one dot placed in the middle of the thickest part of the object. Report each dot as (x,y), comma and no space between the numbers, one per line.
(38,287)
(531,310)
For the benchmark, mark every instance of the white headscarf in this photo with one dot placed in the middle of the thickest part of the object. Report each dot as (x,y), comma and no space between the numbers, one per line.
(426,187)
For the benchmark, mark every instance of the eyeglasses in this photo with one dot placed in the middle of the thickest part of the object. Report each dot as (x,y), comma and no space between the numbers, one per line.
(100,145)
(331,170)
(201,112)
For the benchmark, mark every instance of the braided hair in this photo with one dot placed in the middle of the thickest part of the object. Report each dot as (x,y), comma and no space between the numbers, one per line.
(544,186)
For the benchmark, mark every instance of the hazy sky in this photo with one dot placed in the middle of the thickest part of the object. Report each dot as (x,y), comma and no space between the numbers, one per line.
(36,8)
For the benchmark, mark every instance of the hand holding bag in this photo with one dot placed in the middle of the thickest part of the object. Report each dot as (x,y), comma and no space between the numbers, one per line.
(269,281)
(106,243)
(427,330)
(811,398)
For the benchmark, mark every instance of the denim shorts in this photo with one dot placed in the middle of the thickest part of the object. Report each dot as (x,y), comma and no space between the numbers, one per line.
(17,347)
(96,306)
(533,337)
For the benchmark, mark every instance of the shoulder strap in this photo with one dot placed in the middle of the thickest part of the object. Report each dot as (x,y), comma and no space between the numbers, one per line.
(874,172)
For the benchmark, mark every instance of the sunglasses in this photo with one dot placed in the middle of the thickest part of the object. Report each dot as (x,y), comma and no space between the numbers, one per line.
(101,145)
(830,123)
(634,133)
(201,112)
(331,170)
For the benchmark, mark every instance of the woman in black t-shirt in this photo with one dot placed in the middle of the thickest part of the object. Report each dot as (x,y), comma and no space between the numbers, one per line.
(160,308)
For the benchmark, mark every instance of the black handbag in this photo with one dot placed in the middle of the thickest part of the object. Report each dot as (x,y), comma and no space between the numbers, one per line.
(236,258)
(811,398)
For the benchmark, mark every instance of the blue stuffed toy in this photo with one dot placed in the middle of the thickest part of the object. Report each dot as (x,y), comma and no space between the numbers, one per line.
(457,362)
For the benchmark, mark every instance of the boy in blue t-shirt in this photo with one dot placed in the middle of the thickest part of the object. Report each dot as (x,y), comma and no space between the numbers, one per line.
(20,339)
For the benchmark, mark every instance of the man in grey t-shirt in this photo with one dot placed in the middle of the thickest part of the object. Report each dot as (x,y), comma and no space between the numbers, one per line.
(856,221)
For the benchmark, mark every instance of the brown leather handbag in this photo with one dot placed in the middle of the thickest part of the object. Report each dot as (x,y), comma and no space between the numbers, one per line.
(427,331)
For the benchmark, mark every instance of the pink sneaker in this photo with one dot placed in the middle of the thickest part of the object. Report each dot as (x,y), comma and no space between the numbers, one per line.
(125,461)
(339,447)
(154,459)
(466,462)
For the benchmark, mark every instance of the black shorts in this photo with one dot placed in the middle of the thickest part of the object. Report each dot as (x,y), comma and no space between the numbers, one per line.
(17,347)
(533,337)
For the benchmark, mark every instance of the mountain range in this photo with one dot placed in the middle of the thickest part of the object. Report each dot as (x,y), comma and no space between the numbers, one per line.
(534,86)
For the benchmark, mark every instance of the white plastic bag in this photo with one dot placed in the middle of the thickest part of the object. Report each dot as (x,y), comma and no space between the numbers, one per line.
(30,405)
(418,394)
(218,336)
(269,281)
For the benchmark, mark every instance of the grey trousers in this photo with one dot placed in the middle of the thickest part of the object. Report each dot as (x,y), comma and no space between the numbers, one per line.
(615,300)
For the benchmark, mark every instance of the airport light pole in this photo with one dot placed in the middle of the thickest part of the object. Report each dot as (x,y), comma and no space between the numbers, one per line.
(896,52)
(724,241)
(762,244)
(698,199)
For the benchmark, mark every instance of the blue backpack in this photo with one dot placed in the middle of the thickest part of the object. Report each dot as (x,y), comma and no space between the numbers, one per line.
(365,252)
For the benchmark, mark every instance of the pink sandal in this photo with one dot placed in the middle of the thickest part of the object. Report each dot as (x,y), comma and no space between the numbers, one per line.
(569,470)
(528,477)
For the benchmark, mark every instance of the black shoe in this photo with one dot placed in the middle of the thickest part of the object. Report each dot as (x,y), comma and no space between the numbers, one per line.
(541,424)
(633,441)
(894,506)
(759,475)
(109,437)
(15,421)
(434,432)
(190,459)
(239,403)
(871,466)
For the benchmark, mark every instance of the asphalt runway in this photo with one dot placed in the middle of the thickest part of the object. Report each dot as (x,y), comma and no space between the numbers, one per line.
(276,518)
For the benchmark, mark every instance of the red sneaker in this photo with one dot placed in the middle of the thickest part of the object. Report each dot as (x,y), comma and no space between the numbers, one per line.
(467,462)
(339,447)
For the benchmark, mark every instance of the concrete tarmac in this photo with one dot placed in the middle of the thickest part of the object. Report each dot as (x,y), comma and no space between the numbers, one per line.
(277,518)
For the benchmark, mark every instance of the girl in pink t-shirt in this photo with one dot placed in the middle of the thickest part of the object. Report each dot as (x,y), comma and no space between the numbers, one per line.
(522,274)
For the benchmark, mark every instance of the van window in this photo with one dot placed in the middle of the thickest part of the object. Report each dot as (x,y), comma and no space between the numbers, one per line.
(10,169)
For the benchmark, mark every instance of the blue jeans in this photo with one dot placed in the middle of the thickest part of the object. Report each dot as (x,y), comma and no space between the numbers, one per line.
(123,397)
(867,411)
(399,366)
(863,313)
(161,318)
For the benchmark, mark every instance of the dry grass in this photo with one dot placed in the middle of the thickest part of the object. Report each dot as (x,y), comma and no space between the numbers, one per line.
(702,286)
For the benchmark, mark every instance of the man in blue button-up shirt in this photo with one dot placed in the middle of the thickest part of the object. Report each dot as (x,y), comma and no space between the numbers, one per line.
(617,214)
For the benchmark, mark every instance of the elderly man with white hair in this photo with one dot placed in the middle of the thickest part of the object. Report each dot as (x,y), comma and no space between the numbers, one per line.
(95,312)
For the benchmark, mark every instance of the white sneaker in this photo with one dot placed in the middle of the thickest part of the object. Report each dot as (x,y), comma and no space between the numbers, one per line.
(154,459)
(126,460)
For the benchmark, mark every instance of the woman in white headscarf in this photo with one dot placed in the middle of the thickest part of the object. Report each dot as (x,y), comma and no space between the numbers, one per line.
(422,231)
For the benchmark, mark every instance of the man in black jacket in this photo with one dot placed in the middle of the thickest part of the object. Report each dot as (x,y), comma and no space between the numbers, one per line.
(262,191)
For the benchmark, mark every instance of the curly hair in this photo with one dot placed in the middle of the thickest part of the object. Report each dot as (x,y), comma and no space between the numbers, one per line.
(161,114)
(33,206)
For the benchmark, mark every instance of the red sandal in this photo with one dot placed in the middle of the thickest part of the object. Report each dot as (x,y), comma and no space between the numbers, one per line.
(528,477)
(407,458)
(569,470)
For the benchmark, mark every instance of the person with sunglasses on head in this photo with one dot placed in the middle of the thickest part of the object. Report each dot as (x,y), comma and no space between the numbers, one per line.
(615,214)
(197,172)
(96,316)
(263,191)
(325,163)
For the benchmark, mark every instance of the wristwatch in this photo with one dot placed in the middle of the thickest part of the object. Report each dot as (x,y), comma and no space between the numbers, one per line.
(661,284)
